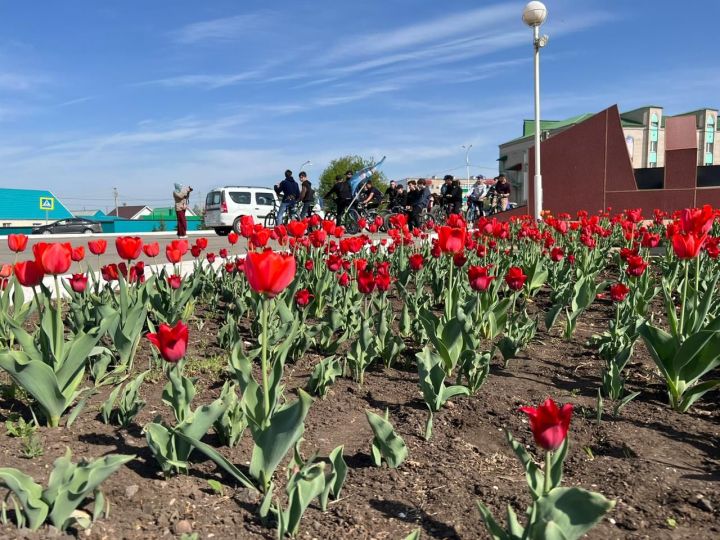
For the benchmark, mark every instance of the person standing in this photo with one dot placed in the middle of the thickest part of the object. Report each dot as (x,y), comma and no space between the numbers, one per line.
(181,196)
(289,192)
(343,196)
(307,195)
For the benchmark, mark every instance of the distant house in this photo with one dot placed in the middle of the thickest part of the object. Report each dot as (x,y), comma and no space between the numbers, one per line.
(166,213)
(22,207)
(89,214)
(130,212)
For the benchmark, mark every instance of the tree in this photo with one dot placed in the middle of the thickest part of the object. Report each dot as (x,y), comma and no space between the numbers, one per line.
(340,166)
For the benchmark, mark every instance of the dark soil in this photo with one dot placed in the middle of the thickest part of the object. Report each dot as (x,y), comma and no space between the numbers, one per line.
(662,468)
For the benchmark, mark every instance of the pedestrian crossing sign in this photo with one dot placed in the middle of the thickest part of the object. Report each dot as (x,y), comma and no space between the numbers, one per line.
(47,203)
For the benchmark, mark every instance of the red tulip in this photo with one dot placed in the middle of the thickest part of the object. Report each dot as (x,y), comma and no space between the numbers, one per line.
(110,272)
(636,266)
(6,270)
(223,253)
(297,228)
(634,215)
(416,261)
(210,258)
(479,278)
(247,225)
(549,424)
(260,238)
(173,255)
(309,265)
(97,247)
(78,282)
(17,242)
(687,246)
(382,281)
(29,273)
(152,250)
(451,239)
(515,278)
(202,243)
(128,247)
(174,281)
(196,251)
(618,292)
(233,238)
(269,272)
(697,220)
(54,258)
(171,341)
(303,298)
(366,281)
(78,253)
(459,260)
(557,254)
(344,279)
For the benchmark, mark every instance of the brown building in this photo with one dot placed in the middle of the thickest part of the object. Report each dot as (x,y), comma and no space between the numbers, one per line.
(644,132)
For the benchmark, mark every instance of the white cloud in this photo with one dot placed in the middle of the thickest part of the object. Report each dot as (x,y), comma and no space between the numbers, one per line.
(222,29)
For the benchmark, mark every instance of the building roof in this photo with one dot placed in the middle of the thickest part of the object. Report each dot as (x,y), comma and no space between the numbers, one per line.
(126,211)
(25,204)
(167,212)
(529,125)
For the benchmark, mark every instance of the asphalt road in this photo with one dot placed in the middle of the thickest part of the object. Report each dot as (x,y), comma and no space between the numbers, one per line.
(215,244)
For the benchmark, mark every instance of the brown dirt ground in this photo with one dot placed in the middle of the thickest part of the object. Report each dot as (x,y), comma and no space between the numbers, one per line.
(663,468)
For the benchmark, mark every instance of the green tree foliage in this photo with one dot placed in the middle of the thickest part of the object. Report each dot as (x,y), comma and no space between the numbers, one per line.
(340,166)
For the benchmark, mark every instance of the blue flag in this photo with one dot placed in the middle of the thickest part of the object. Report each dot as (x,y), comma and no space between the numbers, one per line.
(359,178)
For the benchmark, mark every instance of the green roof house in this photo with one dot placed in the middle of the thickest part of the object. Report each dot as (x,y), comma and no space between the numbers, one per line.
(30,207)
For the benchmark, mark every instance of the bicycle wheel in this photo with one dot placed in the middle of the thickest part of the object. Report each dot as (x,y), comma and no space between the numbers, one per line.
(351,218)
(269,221)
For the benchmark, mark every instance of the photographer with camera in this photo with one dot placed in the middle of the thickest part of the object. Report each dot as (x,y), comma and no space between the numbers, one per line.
(181,195)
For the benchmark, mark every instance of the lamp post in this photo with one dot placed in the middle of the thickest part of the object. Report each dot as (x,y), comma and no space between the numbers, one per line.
(467,162)
(534,15)
(308,162)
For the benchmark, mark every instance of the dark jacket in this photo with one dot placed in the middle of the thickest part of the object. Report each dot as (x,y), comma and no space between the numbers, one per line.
(341,190)
(456,194)
(288,189)
(412,198)
(307,193)
(424,200)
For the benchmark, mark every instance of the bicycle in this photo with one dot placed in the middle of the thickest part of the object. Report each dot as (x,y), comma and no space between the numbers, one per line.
(292,213)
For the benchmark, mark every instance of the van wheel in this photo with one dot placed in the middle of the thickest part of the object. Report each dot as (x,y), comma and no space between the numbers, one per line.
(236,225)
(222,231)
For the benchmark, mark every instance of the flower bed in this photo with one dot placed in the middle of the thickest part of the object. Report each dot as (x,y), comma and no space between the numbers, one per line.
(401,366)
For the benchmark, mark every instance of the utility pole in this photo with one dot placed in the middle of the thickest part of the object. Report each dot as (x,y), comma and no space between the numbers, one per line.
(115,196)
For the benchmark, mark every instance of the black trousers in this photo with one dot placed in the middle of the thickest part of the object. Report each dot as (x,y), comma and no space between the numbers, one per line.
(342,205)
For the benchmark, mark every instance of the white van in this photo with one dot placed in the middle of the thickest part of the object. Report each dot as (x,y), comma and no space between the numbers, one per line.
(226,205)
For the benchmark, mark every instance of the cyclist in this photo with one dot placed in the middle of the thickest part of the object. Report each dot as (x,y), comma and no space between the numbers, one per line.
(446,190)
(289,191)
(372,196)
(502,188)
(455,197)
(307,195)
(390,193)
(477,196)
(343,195)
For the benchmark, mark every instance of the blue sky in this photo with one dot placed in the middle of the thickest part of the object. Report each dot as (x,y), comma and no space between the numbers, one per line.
(140,94)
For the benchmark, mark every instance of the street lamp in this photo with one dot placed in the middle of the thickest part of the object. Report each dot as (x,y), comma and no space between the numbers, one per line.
(534,15)
(308,162)
(467,162)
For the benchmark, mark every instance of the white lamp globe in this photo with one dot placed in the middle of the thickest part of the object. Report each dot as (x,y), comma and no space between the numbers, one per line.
(534,14)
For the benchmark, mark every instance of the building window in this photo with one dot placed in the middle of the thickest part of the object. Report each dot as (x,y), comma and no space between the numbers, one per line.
(653,146)
(709,140)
